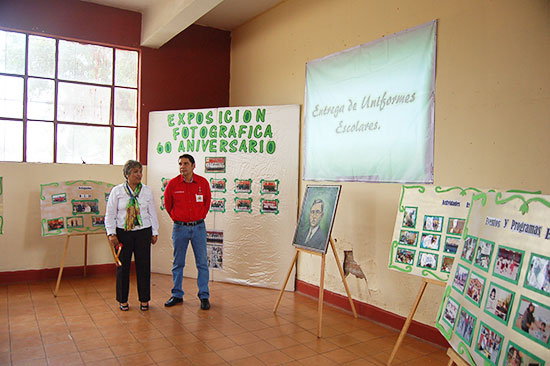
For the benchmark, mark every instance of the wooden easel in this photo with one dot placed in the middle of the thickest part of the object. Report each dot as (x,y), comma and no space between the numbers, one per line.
(321,283)
(425,282)
(455,358)
(85,256)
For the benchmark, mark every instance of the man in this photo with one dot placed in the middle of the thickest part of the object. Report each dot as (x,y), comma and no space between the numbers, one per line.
(315,237)
(187,201)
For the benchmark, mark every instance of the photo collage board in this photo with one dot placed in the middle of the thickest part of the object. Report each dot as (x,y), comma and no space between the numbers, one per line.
(428,227)
(76,206)
(496,306)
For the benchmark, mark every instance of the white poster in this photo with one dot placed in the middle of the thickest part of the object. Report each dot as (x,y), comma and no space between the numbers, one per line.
(250,156)
(369,111)
(496,306)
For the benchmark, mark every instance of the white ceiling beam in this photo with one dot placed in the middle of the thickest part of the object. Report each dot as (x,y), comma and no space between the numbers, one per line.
(164,19)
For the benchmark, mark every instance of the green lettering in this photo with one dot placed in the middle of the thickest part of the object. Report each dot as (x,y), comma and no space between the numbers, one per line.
(232,132)
(200,118)
(185,132)
(247,116)
(227,116)
(222,131)
(270,147)
(252,147)
(190,117)
(190,146)
(209,118)
(193,128)
(260,115)
(175,132)
(242,130)
(159,148)
(242,148)
(233,146)
(213,130)
(181,148)
(212,146)
(223,144)
(181,118)
(168,147)
(258,131)
(204,144)
(203,132)
(267,132)
(171,120)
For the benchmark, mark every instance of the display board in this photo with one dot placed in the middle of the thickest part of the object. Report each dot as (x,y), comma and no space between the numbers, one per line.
(428,227)
(1,206)
(369,110)
(496,306)
(73,206)
(250,157)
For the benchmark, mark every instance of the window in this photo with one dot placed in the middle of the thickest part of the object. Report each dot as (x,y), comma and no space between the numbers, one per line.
(66,102)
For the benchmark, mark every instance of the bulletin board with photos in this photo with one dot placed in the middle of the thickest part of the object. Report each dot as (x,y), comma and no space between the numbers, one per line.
(428,227)
(496,306)
(76,206)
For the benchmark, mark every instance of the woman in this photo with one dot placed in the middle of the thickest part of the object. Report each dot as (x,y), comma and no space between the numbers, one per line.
(131,221)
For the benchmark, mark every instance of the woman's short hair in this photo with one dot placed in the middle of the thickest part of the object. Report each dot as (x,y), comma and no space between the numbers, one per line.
(129,166)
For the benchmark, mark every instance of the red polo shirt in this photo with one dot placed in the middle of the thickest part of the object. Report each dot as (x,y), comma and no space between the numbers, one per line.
(187,201)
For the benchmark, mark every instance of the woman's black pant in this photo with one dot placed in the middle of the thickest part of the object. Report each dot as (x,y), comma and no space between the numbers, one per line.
(139,243)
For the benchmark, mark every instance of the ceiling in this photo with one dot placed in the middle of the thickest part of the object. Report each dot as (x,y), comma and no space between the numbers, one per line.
(161,20)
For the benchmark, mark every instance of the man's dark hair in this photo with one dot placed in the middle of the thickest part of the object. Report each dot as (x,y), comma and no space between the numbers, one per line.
(318,200)
(188,157)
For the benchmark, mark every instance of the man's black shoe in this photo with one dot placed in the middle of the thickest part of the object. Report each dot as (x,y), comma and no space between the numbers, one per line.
(173,301)
(205,304)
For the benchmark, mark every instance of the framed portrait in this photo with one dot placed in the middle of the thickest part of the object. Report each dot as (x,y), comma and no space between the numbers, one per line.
(269,186)
(483,254)
(316,218)
(269,206)
(59,198)
(455,226)
(450,312)
(538,275)
(447,264)
(214,164)
(218,185)
(405,256)
(499,302)
(469,249)
(461,276)
(508,264)
(217,205)
(451,245)
(430,241)
(532,320)
(518,356)
(243,204)
(409,217)
(433,223)
(427,260)
(465,326)
(408,237)
(474,291)
(243,185)
(489,343)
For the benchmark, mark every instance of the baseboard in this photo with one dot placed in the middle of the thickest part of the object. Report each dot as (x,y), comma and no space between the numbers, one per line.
(373,313)
(52,273)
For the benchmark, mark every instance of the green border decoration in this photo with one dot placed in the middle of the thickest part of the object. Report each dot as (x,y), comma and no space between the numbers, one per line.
(217,210)
(237,190)
(432,234)
(59,194)
(487,360)
(415,240)
(478,251)
(206,170)
(46,185)
(95,200)
(527,285)
(469,344)
(520,331)
(162,208)
(244,199)
(498,275)
(441,220)
(262,211)
(478,304)
(467,279)
(263,191)
(494,316)
(535,358)
(163,183)
(212,189)
(446,333)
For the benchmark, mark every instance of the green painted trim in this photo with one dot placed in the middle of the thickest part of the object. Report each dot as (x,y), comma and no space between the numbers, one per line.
(421,189)
(427,272)
(447,334)
(1,186)
(71,182)
(463,349)
(1,225)
(463,191)
(87,229)
(524,208)
(46,185)
(406,267)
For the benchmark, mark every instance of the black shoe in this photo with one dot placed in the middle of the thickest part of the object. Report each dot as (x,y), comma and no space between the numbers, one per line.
(173,301)
(205,304)
(124,307)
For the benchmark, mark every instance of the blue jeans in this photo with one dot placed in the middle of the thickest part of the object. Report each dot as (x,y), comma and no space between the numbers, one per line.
(181,235)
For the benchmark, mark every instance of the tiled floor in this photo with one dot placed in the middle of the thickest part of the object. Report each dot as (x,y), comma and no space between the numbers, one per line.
(83,326)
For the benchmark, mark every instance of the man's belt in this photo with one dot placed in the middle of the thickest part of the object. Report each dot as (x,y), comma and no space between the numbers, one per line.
(190,223)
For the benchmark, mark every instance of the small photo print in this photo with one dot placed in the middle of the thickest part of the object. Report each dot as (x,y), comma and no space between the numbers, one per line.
(217,205)
(56,224)
(475,288)
(217,185)
(269,206)
(465,326)
(408,237)
(243,185)
(427,260)
(214,164)
(59,198)
(532,320)
(98,221)
(243,204)
(517,356)
(269,186)
(508,264)
(433,223)
(405,256)
(430,241)
(538,275)
(447,264)
(461,276)
(409,217)
(85,207)
(483,254)
(451,245)
(451,311)
(214,255)
(455,226)
(499,302)
(469,249)
(489,344)
(75,221)
(214,236)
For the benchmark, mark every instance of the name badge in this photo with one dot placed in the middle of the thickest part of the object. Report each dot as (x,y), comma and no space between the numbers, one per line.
(199,197)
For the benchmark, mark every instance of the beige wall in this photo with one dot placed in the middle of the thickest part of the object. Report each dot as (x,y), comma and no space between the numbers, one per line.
(22,246)
(492,110)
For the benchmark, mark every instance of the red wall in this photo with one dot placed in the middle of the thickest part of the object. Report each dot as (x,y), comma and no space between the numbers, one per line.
(190,71)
